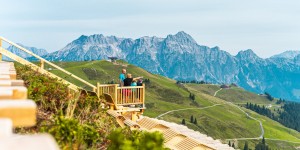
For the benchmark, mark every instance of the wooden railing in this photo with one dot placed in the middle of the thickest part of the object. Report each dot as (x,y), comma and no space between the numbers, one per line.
(106,88)
(131,95)
(121,96)
(42,64)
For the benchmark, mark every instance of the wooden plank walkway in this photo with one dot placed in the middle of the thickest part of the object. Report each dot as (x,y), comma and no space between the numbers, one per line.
(18,111)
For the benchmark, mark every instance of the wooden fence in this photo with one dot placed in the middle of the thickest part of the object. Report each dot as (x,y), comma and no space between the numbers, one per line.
(123,96)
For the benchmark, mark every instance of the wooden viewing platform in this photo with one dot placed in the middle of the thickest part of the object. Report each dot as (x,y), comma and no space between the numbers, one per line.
(127,99)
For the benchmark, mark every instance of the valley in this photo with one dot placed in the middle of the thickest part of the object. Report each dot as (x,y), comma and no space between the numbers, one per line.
(218,116)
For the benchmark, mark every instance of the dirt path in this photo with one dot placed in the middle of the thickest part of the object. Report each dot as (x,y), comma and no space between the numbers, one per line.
(230,103)
(217,92)
(186,109)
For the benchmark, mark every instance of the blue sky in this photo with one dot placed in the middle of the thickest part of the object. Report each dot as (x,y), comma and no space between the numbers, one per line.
(266,26)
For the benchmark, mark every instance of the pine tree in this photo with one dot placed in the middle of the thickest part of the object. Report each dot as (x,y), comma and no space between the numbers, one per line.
(192,119)
(193,97)
(263,141)
(246,147)
(183,121)
(195,121)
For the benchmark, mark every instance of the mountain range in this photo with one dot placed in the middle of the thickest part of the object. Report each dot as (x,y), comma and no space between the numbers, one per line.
(38,51)
(180,57)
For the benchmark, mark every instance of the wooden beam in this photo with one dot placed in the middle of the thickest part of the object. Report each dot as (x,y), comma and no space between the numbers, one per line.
(22,112)
(35,67)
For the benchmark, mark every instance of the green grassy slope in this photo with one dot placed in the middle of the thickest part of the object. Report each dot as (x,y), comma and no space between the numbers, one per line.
(223,121)
(234,94)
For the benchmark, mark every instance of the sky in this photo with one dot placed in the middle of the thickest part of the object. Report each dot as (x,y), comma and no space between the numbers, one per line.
(268,27)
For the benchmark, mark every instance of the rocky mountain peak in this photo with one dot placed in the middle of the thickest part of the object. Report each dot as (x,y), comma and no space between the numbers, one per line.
(38,51)
(244,54)
(290,54)
(180,57)
(181,37)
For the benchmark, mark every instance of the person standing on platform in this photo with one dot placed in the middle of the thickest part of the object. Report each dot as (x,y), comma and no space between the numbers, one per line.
(122,77)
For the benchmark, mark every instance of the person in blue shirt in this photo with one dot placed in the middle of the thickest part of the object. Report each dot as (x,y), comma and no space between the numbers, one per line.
(122,77)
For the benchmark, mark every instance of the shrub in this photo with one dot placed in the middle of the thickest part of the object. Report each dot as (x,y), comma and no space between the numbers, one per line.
(125,139)
(70,134)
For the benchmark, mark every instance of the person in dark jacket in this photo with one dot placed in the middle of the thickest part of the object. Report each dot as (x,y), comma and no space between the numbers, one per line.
(129,79)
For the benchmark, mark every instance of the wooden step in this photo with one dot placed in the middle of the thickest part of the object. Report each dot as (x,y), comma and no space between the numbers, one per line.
(5,77)
(6,127)
(5,65)
(11,83)
(13,92)
(8,72)
(12,74)
(21,112)
(28,142)
(7,69)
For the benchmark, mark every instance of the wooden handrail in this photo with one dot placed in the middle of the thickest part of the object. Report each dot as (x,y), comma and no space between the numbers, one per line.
(51,64)
(130,87)
(33,66)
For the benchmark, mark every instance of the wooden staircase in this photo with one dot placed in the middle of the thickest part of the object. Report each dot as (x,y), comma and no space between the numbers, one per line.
(18,111)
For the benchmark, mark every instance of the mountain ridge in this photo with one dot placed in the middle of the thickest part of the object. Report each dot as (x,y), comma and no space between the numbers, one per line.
(37,51)
(180,57)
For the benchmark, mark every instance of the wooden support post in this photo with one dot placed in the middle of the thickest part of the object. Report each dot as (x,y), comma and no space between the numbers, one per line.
(144,92)
(116,94)
(42,64)
(98,89)
(134,116)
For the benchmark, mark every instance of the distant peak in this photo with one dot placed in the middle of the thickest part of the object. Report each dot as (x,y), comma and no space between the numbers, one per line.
(182,33)
(290,54)
(181,36)
(82,36)
(217,48)
(246,53)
